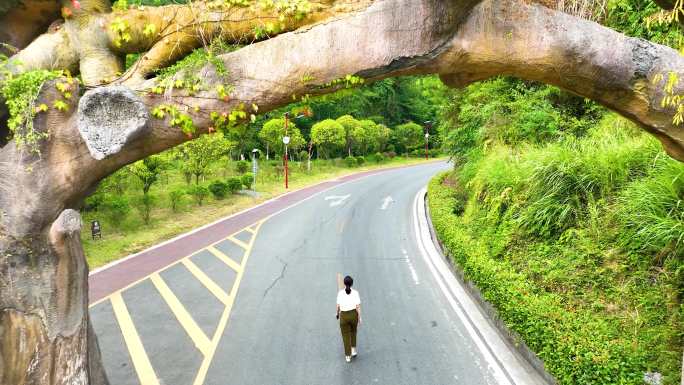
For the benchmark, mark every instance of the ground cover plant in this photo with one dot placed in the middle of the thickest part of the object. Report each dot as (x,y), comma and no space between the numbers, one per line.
(572,227)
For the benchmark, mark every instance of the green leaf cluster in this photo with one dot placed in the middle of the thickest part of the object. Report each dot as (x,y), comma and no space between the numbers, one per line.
(20,93)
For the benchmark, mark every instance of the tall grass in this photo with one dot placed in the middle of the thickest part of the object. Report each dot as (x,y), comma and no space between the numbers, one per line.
(579,243)
(551,187)
(652,211)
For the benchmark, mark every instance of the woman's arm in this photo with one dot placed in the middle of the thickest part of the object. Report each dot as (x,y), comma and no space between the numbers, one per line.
(358,310)
(338,311)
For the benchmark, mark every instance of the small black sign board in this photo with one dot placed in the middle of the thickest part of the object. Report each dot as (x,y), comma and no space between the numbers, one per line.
(95,229)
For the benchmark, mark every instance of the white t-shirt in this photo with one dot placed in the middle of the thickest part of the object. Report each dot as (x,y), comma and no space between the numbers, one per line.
(348,301)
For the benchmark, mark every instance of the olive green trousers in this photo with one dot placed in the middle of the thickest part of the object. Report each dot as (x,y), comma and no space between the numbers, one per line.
(349,320)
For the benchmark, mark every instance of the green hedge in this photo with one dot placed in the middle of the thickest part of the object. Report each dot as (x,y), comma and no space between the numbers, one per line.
(577,347)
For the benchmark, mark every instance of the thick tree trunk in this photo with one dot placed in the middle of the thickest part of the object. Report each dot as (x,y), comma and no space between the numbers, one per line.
(44,324)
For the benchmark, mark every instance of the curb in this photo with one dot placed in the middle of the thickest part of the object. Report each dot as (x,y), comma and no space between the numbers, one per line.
(512,339)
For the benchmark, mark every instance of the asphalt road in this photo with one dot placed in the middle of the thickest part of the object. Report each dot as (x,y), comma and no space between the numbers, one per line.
(258,307)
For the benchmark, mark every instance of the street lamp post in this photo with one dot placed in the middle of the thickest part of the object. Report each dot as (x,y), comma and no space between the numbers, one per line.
(255,167)
(286,140)
(428,125)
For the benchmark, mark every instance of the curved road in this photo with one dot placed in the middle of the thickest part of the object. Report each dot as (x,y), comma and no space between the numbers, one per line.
(258,307)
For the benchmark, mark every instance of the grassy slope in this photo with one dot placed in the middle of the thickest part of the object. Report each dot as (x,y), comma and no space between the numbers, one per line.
(552,237)
(133,235)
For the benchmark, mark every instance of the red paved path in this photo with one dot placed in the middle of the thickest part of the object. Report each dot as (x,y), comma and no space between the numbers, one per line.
(108,280)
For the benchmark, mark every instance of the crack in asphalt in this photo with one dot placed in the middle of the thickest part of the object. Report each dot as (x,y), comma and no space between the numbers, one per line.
(282,275)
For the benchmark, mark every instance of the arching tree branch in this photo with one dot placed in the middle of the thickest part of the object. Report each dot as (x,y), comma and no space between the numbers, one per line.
(533,42)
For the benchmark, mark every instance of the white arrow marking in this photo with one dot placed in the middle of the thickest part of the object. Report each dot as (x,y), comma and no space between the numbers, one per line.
(337,199)
(386,202)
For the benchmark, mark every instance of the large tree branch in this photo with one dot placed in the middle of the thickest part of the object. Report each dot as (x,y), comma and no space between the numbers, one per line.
(178,29)
(533,42)
(23,21)
(427,36)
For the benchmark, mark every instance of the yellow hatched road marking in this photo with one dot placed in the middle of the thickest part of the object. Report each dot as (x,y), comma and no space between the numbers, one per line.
(251,230)
(204,368)
(239,242)
(196,334)
(136,349)
(226,259)
(206,281)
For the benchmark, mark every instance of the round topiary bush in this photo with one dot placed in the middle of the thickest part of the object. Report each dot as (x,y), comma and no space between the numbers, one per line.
(218,189)
(241,166)
(198,192)
(234,184)
(350,161)
(247,180)
(378,157)
(360,160)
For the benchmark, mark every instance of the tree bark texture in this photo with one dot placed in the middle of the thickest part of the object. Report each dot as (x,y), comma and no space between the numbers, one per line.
(45,335)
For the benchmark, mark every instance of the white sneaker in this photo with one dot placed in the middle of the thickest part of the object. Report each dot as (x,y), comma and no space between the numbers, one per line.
(347,358)
(354,353)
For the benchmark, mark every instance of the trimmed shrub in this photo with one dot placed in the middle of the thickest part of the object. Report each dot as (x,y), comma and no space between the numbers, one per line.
(360,160)
(247,180)
(241,166)
(303,155)
(234,184)
(378,157)
(199,193)
(117,208)
(350,161)
(176,197)
(218,189)
(390,154)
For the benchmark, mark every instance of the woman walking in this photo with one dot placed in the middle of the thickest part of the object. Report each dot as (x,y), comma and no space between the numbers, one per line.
(349,314)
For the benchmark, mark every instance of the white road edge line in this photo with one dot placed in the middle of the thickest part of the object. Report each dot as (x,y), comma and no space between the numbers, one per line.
(460,300)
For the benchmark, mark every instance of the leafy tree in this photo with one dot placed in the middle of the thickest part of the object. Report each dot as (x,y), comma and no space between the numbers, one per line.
(353,132)
(328,135)
(272,133)
(200,153)
(145,204)
(147,171)
(175,197)
(199,192)
(408,135)
(117,208)
(116,182)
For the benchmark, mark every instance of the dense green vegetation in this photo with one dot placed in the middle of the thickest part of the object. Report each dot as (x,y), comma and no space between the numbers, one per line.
(155,198)
(174,203)
(571,222)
